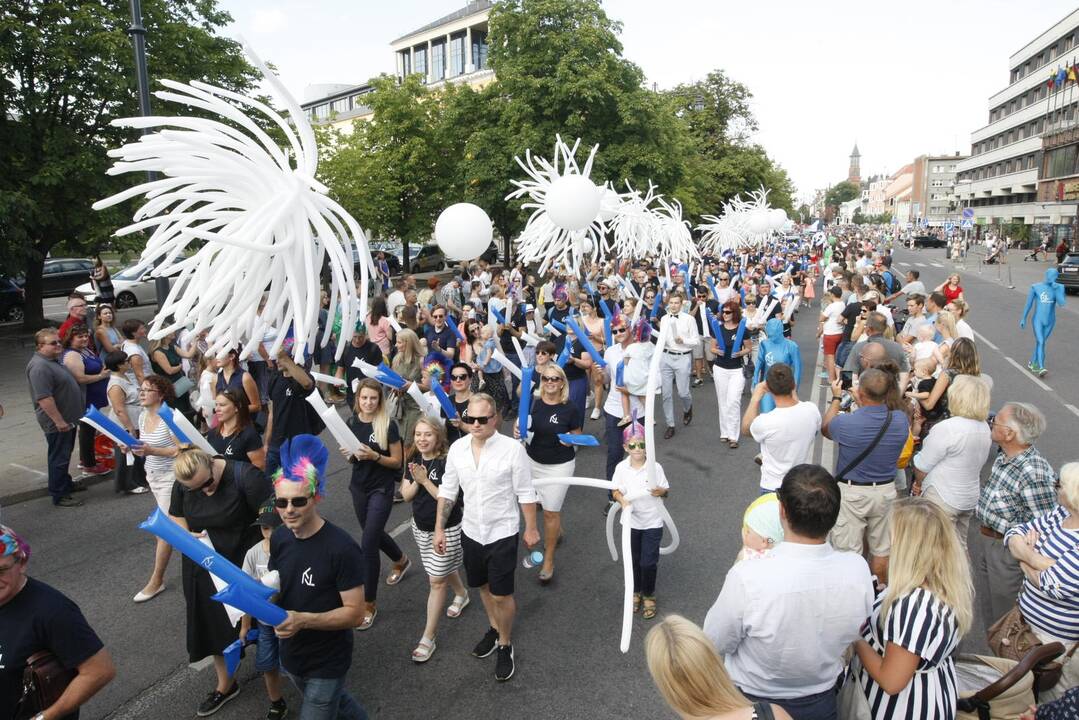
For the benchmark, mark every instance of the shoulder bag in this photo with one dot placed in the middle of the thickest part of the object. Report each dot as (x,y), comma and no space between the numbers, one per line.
(1012,638)
(43,682)
(841,475)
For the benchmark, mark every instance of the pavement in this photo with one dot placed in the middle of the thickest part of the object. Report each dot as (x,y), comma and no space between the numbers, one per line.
(566,634)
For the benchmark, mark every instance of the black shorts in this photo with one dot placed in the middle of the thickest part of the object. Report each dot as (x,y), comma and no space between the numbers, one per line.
(492,565)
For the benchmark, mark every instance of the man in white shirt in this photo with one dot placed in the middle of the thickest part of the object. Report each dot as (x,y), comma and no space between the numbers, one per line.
(913,286)
(612,404)
(677,361)
(494,472)
(787,432)
(396,298)
(783,624)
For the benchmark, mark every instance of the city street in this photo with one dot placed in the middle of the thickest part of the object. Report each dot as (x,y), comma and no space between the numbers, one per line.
(566,638)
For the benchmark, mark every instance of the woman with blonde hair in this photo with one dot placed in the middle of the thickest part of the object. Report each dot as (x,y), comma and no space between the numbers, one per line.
(945,325)
(690,675)
(904,659)
(960,307)
(408,363)
(947,470)
(375,467)
(423,475)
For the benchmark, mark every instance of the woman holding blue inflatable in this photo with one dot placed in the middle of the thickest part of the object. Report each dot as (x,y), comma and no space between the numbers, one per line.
(220,499)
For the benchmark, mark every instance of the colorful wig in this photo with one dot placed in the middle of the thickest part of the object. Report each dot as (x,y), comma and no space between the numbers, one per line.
(304,459)
(634,430)
(641,330)
(437,366)
(11,544)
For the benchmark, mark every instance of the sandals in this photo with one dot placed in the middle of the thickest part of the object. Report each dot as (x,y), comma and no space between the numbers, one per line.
(649,607)
(460,602)
(732,444)
(545,577)
(424,650)
(636,603)
(368,620)
(399,572)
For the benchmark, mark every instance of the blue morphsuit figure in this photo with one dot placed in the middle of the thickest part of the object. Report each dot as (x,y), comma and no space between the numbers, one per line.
(776,349)
(1043,298)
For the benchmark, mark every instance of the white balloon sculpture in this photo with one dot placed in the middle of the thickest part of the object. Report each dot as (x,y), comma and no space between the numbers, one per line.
(463,231)
(261,222)
(743,223)
(565,205)
(634,226)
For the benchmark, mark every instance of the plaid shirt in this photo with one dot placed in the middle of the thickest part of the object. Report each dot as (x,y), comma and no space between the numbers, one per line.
(1019,489)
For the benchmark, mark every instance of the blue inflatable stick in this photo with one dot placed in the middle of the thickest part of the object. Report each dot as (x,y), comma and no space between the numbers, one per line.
(110,427)
(165,413)
(586,343)
(235,652)
(241,598)
(524,408)
(579,440)
(444,401)
(453,326)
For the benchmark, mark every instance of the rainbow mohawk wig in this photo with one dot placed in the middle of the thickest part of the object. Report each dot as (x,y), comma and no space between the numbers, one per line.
(303,460)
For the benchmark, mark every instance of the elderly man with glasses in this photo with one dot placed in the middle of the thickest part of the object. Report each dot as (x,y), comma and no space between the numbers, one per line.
(76,314)
(59,401)
(1020,488)
(494,472)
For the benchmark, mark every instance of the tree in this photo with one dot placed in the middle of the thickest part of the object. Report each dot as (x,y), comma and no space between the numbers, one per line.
(841,193)
(66,71)
(858,218)
(804,214)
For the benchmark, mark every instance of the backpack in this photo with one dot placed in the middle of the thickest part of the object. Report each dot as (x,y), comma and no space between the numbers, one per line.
(889,281)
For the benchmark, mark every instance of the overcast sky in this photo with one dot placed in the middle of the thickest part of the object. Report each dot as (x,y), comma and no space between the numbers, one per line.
(901,79)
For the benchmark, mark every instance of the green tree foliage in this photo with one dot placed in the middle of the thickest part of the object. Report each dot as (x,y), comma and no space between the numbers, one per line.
(805,214)
(841,193)
(66,71)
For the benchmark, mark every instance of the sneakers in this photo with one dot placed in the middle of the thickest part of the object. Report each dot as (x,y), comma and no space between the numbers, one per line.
(504,663)
(278,710)
(215,700)
(68,502)
(487,645)
(596,415)
(697,382)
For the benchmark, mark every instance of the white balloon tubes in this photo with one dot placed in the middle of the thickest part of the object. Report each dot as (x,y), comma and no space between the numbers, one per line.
(744,223)
(463,231)
(565,207)
(261,223)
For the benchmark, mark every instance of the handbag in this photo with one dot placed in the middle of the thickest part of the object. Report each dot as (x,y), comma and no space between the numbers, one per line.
(183,385)
(1012,638)
(906,453)
(851,701)
(43,682)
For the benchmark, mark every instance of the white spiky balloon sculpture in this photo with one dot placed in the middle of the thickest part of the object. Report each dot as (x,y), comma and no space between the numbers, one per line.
(258,222)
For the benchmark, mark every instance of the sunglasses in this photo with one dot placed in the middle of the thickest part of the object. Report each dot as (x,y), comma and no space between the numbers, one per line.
(618,330)
(438,317)
(727,312)
(458,377)
(552,379)
(298,502)
(472,419)
(635,445)
(209,481)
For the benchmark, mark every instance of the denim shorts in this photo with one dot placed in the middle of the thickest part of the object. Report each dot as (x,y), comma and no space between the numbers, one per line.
(266,651)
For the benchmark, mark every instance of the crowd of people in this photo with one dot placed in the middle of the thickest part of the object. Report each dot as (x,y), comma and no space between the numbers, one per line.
(855,583)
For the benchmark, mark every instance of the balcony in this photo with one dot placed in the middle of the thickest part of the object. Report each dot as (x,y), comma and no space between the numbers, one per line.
(1021,181)
(1005,152)
(1030,112)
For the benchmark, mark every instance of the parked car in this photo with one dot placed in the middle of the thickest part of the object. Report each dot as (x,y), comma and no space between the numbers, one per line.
(1069,273)
(429,258)
(491,254)
(131,287)
(929,241)
(60,276)
(12,300)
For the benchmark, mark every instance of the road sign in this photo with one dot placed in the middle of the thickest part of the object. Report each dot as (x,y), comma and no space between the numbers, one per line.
(949,226)
(967,224)
(968,213)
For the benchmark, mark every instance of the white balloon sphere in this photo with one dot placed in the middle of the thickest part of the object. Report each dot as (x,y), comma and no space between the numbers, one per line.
(608,204)
(778,217)
(587,245)
(463,231)
(573,202)
(759,222)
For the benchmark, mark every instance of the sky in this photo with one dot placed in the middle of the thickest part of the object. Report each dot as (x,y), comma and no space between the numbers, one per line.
(900,79)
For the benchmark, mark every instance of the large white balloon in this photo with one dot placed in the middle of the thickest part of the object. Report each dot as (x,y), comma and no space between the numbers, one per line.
(463,231)
(609,204)
(777,218)
(759,222)
(573,202)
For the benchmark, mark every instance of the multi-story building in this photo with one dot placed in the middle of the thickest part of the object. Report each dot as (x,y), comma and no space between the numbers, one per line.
(876,205)
(1001,177)
(450,49)
(933,196)
(897,195)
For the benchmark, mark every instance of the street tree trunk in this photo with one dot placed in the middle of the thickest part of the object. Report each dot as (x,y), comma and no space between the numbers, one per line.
(34,312)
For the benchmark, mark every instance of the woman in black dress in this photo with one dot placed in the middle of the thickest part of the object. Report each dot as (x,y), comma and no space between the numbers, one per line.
(235,436)
(221,498)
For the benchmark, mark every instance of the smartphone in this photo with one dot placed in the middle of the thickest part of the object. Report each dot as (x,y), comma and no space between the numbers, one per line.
(846,379)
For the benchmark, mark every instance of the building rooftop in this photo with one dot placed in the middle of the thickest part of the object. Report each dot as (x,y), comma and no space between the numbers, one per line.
(476,6)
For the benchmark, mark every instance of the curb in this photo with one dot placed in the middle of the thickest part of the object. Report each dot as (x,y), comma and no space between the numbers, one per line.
(26,495)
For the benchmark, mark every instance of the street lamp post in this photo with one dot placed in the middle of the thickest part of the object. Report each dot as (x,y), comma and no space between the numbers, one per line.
(138,42)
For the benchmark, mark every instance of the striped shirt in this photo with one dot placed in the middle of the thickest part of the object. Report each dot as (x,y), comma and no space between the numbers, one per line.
(1018,490)
(925,626)
(1053,608)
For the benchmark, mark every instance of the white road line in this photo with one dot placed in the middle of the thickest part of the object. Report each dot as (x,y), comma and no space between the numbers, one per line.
(985,340)
(920,264)
(814,394)
(938,265)
(32,470)
(400,528)
(1071,407)
(1026,373)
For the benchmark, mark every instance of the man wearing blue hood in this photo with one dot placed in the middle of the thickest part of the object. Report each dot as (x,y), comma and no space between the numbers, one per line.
(776,349)
(1043,298)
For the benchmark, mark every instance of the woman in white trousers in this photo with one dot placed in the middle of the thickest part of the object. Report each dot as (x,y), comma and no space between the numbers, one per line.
(730,345)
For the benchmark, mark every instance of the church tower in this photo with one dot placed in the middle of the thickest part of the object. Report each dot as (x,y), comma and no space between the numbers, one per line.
(855,173)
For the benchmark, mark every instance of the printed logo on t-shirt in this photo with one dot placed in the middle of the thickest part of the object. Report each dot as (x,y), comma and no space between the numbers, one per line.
(288,392)
(228,449)
(554,419)
(432,475)
(371,440)
(307,578)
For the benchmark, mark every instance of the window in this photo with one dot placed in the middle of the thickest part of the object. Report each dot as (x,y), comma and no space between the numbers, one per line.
(1062,161)
(438,61)
(419,57)
(322,112)
(406,63)
(342,105)
(457,55)
(479,49)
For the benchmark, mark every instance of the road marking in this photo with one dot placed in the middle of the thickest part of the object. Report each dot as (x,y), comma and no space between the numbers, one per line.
(1071,407)
(938,265)
(985,340)
(920,264)
(31,470)
(814,394)
(1028,374)
(400,528)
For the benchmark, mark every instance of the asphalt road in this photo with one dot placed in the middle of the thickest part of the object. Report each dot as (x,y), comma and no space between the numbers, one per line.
(566,636)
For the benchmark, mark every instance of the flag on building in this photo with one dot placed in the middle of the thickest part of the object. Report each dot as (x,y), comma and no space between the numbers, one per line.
(1051,82)
(1061,76)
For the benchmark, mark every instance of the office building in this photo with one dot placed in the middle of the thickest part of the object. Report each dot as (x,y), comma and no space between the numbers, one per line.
(933,196)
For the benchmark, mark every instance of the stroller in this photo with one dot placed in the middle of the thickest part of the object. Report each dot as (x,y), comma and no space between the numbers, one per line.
(992,688)
(994,257)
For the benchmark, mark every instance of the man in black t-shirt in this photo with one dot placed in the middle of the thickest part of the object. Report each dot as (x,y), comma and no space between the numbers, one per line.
(321,571)
(289,410)
(35,617)
(361,348)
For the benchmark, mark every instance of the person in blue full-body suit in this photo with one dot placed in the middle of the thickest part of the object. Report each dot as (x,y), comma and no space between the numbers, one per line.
(776,349)
(1044,297)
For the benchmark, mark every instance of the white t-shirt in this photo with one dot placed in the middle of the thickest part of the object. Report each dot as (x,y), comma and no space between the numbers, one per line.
(612,405)
(646,510)
(785,435)
(963,329)
(833,313)
(393,301)
(914,288)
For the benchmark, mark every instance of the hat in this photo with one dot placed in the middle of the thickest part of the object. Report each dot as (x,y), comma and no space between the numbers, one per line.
(268,516)
(762,517)
(528,308)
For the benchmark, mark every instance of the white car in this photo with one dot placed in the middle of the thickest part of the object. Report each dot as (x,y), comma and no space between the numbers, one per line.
(131,287)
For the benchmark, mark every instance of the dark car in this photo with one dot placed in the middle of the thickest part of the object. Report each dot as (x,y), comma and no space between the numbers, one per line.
(929,241)
(1069,273)
(12,300)
(491,253)
(429,259)
(61,276)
